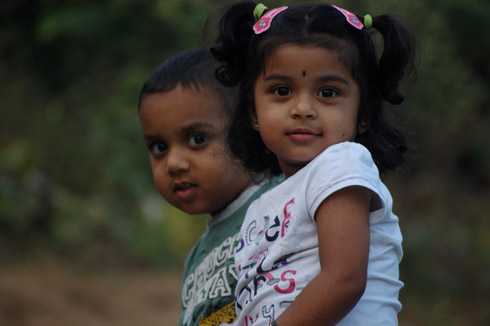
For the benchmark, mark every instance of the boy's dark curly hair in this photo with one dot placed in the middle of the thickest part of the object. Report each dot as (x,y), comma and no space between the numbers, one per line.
(190,68)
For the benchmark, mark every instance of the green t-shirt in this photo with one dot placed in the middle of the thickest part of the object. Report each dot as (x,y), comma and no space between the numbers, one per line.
(209,280)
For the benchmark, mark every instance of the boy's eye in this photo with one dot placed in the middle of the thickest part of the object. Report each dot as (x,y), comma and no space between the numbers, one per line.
(281,91)
(157,148)
(327,92)
(197,139)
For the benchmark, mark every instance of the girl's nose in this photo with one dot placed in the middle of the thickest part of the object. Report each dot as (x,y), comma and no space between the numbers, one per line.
(304,108)
(177,162)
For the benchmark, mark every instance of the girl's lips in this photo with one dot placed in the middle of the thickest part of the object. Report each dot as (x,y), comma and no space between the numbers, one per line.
(302,135)
(185,191)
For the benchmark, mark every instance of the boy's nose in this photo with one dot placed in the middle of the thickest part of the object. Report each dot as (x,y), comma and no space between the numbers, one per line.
(304,108)
(177,162)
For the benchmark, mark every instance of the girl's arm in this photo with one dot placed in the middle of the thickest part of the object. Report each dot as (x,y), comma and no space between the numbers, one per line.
(343,241)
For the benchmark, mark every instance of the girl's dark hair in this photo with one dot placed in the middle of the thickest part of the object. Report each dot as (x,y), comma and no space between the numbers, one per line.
(244,55)
(190,68)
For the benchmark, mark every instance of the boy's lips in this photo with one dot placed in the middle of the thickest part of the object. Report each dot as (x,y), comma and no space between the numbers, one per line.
(185,190)
(302,134)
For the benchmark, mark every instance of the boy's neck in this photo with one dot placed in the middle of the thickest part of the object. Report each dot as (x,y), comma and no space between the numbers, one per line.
(234,205)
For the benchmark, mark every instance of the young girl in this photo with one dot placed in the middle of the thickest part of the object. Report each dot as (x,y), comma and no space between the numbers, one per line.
(323,247)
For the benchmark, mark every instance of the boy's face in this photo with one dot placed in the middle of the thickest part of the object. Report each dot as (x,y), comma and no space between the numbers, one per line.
(183,130)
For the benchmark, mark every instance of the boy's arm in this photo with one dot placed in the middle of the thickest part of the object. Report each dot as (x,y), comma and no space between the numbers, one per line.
(343,241)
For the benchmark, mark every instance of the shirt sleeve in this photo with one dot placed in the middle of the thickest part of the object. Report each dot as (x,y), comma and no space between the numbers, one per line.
(337,167)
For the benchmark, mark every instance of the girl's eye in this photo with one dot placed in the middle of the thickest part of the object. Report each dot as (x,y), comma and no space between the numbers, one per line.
(328,93)
(281,91)
(157,148)
(197,139)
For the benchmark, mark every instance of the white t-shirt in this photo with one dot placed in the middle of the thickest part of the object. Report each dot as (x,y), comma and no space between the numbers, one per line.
(278,253)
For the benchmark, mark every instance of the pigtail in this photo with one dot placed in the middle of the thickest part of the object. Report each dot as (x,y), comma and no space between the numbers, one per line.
(378,132)
(235,31)
(232,47)
(397,59)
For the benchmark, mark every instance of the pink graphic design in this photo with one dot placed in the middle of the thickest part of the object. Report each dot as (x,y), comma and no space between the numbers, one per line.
(270,277)
(350,17)
(259,257)
(287,216)
(251,319)
(265,21)
(292,283)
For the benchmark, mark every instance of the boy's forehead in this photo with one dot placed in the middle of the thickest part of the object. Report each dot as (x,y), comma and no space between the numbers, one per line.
(186,105)
(208,97)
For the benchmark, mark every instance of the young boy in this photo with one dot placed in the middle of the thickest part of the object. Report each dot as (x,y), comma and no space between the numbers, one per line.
(184,112)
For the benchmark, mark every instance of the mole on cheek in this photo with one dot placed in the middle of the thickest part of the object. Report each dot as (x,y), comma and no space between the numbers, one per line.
(304,73)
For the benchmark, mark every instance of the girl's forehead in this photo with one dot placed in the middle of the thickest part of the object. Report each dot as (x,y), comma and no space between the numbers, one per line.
(344,50)
(297,56)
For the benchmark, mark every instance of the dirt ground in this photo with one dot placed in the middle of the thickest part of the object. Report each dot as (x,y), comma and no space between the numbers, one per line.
(55,296)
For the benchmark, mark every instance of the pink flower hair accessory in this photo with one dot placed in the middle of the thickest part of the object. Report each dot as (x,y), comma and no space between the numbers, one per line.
(350,17)
(264,23)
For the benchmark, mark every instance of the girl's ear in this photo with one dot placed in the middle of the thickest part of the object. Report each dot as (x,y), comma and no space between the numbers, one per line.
(253,118)
(364,119)
(363,124)
(362,128)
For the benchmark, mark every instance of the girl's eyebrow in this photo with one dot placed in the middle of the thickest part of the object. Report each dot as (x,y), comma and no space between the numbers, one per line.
(334,77)
(327,78)
(277,77)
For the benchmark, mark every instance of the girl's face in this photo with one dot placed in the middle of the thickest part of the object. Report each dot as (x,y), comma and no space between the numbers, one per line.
(305,101)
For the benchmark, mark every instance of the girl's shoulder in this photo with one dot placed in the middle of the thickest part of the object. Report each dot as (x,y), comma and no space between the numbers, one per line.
(346,147)
(341,162)
(331,165)
(344,153)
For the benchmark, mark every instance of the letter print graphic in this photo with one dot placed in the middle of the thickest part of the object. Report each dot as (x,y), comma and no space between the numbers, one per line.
(287,217)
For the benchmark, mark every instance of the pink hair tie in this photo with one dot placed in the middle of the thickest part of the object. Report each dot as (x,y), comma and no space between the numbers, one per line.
(264,23)
(350,17)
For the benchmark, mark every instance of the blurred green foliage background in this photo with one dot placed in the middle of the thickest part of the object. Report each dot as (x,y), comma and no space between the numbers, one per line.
(75,179)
